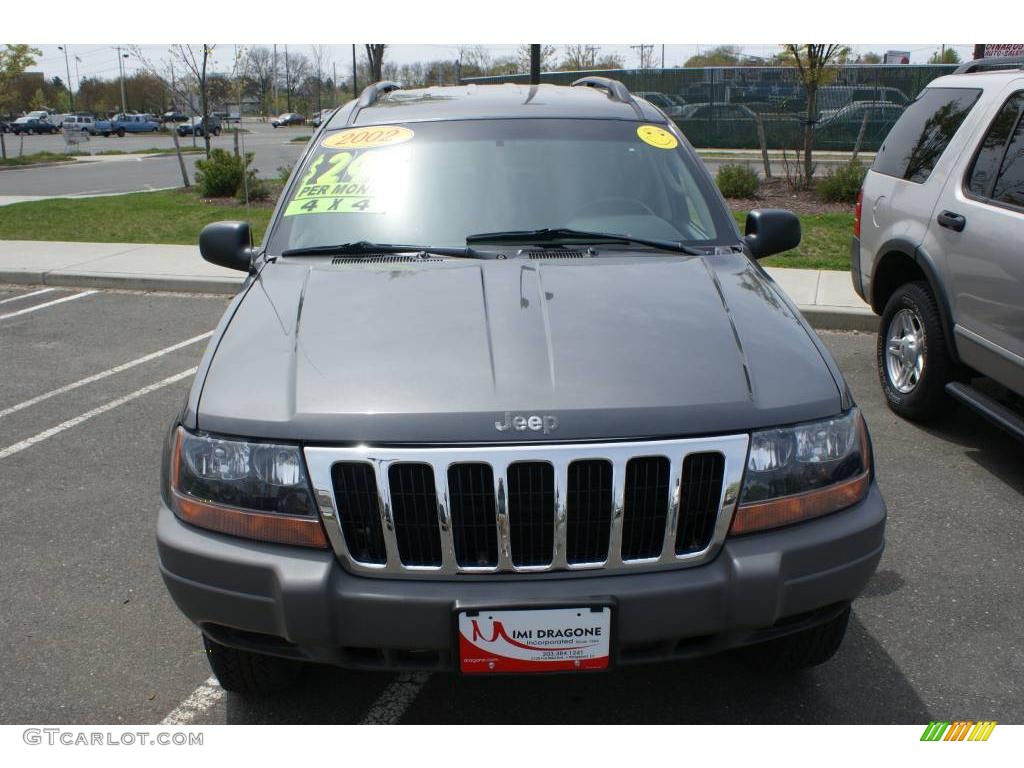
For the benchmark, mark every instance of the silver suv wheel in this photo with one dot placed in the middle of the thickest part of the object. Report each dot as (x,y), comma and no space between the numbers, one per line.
(904,350)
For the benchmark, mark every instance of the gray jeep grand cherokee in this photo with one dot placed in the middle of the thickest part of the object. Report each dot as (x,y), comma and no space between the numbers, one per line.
(506,391)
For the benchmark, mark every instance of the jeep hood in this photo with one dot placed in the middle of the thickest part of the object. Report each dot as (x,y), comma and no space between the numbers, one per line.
(638,346)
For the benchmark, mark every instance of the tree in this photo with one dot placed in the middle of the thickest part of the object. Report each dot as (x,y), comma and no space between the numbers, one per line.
(945,55)
(816,66)
(259,75)
(14,59)
(869,58)
(610,61)
(375,57)
(579,57)
(195,60)
(319,63)
(547,58)
(720,56)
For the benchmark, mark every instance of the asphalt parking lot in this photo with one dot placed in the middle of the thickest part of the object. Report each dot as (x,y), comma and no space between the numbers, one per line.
(89,382)
(93,176)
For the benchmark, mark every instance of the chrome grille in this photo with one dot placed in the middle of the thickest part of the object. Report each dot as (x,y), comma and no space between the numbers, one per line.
(436,512)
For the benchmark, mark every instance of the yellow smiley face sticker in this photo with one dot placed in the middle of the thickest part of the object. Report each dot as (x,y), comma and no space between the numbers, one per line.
(367,138)
(657,136)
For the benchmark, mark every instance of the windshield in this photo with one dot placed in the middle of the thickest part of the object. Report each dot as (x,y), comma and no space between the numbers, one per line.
(438,182)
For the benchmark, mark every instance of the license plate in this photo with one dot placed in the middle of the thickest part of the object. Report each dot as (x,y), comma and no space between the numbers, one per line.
(540,640)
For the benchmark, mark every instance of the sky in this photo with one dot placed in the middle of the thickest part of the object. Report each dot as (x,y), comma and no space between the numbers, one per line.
(94,59)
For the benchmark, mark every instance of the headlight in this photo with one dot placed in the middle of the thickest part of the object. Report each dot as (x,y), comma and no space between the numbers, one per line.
(802,472)
(254,490)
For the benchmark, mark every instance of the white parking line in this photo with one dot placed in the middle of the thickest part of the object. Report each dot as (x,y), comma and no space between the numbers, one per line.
(27,295)
(103,374)
(395,699)
(46,304)
(46,434)
(387,709)
(202,699)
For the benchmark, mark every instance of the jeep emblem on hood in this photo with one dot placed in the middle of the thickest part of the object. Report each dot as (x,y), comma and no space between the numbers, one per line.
(532,422)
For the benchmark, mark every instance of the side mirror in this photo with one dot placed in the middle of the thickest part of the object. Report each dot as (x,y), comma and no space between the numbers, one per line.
(227,244)
(770,231)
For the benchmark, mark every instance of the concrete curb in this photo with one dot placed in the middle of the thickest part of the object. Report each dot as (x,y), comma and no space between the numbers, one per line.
(840,318)
(820,317)
(40,165)
(126,282)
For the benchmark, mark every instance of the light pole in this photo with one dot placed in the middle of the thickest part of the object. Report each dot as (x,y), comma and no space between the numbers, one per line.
(67,66)
(120,68)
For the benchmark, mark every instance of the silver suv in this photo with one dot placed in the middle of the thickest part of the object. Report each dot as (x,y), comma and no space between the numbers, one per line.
(937,247)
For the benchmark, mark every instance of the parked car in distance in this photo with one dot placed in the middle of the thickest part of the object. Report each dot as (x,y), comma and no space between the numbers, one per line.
(882,111)
(581,430)
(30,125)
(714,111)
(5,127)
(121,124)
(288,118)
(662,101)
(321,116)
(195,125)
(82,123)
(174,116)
(937,248)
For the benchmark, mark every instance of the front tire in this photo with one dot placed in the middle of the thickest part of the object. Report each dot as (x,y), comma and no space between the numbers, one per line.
(913,360)
(801,650)
(247,672)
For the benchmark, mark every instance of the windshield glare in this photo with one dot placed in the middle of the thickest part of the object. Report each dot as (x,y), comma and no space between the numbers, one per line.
(435,183)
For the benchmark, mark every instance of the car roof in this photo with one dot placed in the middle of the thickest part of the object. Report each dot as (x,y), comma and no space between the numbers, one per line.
(984,78)
(509,100)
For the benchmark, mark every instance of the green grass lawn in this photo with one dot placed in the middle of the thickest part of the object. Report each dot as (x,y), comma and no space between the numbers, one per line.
(825,243)
(35,157)
(173,216)
(176,216)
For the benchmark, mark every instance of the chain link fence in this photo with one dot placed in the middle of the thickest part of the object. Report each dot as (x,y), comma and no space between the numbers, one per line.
(766,107)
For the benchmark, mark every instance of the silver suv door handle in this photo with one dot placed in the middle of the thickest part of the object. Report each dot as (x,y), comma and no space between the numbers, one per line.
(953,221)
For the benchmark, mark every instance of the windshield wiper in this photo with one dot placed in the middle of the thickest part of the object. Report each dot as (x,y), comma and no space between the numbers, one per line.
(366,248)
(562,233)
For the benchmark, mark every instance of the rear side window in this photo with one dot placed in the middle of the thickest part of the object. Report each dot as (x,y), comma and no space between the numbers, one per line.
(1009,188)
(993,162)
(921,135)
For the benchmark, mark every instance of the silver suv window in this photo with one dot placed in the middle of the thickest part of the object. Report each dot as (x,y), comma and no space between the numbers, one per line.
(997,170)
(921,135)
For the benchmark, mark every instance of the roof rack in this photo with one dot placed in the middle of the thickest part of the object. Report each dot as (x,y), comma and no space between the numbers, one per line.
(994,62)
(370,94)
(615,89)
(374,91)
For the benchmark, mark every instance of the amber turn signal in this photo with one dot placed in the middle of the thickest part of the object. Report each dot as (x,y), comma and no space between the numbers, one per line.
(785,510)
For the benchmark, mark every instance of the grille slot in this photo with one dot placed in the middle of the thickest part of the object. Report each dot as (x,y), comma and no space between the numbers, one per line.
(700,491)
(645,507)
(414,507)
(588,501)
(474,531)
(531,512)
(355,488)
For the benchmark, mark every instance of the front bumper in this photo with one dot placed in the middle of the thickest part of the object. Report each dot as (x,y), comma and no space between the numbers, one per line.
(301,603)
